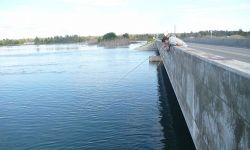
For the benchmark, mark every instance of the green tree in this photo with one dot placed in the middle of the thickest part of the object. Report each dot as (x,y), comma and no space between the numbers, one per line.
(109,36)
(37,41)
(125,35)
(240,32)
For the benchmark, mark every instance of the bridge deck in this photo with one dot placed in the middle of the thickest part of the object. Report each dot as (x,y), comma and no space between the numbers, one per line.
(241,54)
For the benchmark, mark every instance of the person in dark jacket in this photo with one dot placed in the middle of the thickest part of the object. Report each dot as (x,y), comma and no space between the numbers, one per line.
(165,41)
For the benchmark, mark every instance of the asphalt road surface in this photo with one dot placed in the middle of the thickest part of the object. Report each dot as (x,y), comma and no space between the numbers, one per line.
(241,54)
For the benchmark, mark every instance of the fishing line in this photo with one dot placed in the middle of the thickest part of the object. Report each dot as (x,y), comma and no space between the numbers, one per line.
(133,69)
(124,76)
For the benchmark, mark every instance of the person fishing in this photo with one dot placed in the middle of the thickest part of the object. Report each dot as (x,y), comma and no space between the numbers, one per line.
(171,40)
(165,41)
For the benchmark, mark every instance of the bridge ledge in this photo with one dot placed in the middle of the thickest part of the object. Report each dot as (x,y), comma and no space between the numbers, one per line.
(214,95)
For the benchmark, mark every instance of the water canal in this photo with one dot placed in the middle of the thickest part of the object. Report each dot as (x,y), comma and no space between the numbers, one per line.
(71,96)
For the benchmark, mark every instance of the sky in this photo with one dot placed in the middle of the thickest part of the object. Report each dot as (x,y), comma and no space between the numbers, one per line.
(45,18)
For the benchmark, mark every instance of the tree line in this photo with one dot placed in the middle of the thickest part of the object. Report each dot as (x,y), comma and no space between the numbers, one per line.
(48,40)
(112,36)
(60,39)
(218,33)
(76,39)
(13,42)
(131,37)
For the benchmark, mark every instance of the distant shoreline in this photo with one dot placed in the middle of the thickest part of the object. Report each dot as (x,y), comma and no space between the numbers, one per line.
(106,44)
(105,41)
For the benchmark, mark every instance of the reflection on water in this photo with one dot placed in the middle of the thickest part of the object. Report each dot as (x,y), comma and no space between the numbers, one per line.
(67,97)
(175,129)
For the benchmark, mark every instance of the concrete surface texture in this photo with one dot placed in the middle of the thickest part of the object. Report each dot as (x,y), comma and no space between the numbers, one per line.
(245,43)
(241,54)
(154,58)
(214,96)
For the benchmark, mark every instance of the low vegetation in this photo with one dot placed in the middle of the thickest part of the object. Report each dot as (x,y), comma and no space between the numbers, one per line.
(5,42)
(216,33)
(49,40)
(112,40)
(60,39)
(122,40)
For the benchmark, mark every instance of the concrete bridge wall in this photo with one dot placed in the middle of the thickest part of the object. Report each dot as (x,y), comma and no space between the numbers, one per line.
(244,43)
(214,96)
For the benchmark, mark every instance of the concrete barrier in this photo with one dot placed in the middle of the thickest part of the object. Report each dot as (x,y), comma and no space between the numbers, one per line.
(243,43)
(214,95)
(154,58)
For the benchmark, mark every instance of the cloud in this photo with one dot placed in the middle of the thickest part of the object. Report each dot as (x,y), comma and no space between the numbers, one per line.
(213,7)
(201,22)
(222,16)
(96,17)
(32,22)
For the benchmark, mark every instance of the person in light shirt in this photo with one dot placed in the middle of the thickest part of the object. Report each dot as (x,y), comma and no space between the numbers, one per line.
(171,40)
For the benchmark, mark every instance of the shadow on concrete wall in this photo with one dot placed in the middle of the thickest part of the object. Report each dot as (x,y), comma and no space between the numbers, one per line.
(175,129)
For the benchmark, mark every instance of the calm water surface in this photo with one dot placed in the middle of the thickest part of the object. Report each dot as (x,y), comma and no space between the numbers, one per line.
(75,96)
